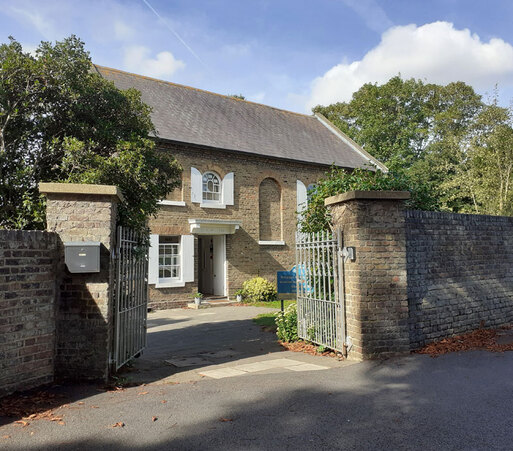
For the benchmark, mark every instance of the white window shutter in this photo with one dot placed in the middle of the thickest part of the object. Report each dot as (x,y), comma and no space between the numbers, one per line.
(301,197)
(153,260)
(196,185)
(188,258)
(228,189)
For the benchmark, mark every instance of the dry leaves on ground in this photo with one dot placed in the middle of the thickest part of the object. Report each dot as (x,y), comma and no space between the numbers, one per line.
(154,418)
(308,348)
(40,405)
(478,339)
(225,420)
(119,424)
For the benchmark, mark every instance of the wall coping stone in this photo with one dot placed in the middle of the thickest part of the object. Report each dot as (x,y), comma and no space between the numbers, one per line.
(366,195)
(81,188)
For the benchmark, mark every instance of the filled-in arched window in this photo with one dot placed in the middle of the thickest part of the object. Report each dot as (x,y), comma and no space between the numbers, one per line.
(211,187)
(269,203)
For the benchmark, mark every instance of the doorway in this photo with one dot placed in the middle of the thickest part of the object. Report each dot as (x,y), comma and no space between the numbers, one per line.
(211,270)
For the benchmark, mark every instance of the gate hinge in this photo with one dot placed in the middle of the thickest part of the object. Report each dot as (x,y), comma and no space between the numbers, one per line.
(348,253)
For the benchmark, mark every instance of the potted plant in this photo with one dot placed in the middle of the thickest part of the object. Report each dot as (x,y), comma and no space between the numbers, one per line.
(198,297)
(239,294)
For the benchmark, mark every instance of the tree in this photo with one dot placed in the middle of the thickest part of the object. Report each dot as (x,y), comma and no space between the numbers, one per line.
(61,121)
(238,96)
(413,127)
(316,216)
(486,173)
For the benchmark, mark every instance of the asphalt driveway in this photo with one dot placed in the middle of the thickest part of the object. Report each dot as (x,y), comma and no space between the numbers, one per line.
(456,402)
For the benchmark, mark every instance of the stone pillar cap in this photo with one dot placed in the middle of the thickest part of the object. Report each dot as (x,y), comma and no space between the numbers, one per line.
(367,195)
(81,188)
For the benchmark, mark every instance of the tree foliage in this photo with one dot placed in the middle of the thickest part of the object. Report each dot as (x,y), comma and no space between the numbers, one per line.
(61,121)
(413,127)
(316,216)
(486,171)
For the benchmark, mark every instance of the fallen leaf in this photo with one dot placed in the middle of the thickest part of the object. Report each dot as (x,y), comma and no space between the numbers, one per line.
(154,418)
(119,424)
(224,420)
(163,401)
(32,432)
(80,403)
(62,423)
(143,393)
(94,407)
(23,423)
(6,436)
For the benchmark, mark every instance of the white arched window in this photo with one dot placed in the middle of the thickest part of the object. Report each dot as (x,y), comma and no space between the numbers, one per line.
(211,188)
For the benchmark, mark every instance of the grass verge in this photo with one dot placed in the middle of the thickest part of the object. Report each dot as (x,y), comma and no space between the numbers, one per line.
(266,321)
(271,304)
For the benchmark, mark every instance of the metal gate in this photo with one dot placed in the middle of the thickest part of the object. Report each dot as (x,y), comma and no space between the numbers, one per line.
(320,289)
(130,296)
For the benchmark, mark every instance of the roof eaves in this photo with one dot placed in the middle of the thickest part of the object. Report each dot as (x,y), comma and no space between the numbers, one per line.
(346,139)
(245,152)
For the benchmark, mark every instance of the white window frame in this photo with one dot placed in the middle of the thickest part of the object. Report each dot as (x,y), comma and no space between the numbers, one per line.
(187,258)
(179,265)
(217,201)
(226,193)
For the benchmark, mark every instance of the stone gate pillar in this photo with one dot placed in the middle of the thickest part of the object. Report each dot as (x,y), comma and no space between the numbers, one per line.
(80,212)
(375,282)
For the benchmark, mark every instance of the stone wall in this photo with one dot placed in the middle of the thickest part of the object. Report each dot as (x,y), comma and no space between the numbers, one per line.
(246,258)
(460,273)
(375,283)
(27,308)
(85,310)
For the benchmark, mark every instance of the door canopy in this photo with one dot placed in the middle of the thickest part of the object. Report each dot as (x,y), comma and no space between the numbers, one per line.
(213,226)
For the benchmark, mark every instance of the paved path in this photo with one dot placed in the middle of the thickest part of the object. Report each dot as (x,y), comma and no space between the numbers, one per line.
(189,345)
(454,402)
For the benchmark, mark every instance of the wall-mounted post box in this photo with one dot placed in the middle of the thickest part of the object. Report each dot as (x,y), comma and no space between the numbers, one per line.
(82,256)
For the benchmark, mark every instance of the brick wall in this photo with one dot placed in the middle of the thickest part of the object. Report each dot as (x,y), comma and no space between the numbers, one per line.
(375,283)
(245,257)
(460,273)
(84,315)
(27,309)
(270,211)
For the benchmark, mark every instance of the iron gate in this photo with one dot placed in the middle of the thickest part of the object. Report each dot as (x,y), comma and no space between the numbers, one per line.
(320,289)
(130,296)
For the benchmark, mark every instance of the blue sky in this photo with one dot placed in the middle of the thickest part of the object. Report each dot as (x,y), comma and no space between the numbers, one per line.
(291,54)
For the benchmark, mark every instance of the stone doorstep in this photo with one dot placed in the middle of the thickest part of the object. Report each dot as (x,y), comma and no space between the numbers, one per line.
(195,306)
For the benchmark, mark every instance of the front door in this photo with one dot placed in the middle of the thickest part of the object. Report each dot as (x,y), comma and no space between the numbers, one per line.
(219,264)
(212,274)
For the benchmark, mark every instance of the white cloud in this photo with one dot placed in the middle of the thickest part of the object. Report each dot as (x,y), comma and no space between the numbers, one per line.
(42,24)
(122,31)
(137,59)
(372,14)
(436,52)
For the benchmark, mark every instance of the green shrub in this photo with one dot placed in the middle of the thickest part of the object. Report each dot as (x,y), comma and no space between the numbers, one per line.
(286,323)
(259,289)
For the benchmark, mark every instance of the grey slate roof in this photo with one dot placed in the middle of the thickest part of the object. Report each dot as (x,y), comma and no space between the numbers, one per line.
(189,115)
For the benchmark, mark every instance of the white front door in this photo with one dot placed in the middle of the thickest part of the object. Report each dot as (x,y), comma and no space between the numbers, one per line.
(219,242)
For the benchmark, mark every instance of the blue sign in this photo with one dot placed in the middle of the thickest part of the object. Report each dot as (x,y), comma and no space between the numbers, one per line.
(286,282)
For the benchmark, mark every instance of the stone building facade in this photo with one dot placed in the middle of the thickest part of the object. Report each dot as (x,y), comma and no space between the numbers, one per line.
(262,239)
(246,172)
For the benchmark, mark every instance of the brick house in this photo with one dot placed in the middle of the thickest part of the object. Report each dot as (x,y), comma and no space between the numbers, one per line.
(246,172)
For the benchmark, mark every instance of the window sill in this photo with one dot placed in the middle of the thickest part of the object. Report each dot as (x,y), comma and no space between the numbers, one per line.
(271,243)
(175,284)
(212,205)
(174,203)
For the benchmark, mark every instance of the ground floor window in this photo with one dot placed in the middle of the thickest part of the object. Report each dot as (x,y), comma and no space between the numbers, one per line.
(169,258)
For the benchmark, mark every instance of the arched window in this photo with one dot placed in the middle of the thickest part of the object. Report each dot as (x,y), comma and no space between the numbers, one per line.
(211,187)
(269,203)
